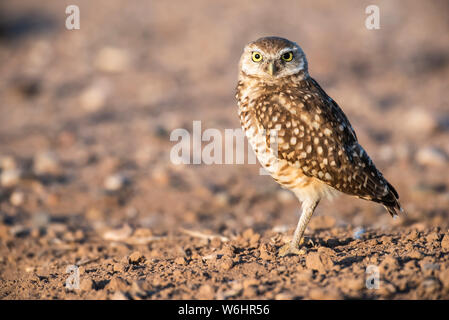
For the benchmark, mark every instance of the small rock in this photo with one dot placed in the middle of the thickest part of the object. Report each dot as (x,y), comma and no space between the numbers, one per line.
(10,177)
(17,198)
(5,233)
(431,285)
(419,121)
(434,236)
(280,228)
(431,156)
(111,59)
(325,294)
(320,262)
(304,276)
(226,263)
(228,250)
(284,296)
(222,199)
(94,98)
(94,214)
(248,233)
(215,242)
(136,258)
(115,182)
(389,263)
(386,289)
(412,236)
(415,254)
(206,292)
(118,234)
(87,284)
(47,163)
(118,267)
(119,295)
(117,284)
(40,219)
(180,261)
(355,284)
(358,233)
(267,251)
(8,163)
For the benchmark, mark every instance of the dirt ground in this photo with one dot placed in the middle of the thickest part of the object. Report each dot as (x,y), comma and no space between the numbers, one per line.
(86,178)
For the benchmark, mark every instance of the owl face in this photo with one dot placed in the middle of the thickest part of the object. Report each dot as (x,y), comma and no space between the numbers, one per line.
(271,58)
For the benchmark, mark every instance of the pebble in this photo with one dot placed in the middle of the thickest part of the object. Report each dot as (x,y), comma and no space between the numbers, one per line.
(431,156)
(434,236)
(17,198)
(388,264)
(119,295)
(304,276)
(118,267)
(284,296)
(136,258)
(8,163)
(320,262)
(431,285)
(10,177)
(386,289)
(180,261)
(118,234)
(267,251)
(117,284)
(412,236)
(415,254)
(115,182)
(112,60)
(87,284)
(46,163)
(40,219)
(93,98)
(225,263)
(418,120)
(355,283)
(324,294)
(206,292)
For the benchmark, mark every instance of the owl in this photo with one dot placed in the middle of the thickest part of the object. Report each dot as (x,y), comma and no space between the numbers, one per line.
(300,135)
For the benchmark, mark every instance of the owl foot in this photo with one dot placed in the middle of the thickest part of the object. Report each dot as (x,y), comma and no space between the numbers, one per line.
(290,249)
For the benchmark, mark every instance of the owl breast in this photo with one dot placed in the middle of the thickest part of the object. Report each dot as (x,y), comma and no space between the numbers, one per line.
(288,176)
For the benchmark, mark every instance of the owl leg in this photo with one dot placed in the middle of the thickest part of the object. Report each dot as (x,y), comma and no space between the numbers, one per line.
(293,247)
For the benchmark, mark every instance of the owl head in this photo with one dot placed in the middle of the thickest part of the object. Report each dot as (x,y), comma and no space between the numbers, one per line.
(272,58)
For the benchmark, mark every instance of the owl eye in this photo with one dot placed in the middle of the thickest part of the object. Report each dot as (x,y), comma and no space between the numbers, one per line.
(257,57)
(288,56)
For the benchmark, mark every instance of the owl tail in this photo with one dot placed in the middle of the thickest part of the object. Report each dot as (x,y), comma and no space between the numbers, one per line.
(391,201)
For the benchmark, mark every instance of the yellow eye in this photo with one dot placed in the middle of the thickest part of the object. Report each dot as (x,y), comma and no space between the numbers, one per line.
(288,56)
(257,57)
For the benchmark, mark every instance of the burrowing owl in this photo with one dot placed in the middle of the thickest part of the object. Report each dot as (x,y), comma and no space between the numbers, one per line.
(300,135)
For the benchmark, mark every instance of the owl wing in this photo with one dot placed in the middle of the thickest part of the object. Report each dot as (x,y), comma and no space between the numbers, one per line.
(314,135)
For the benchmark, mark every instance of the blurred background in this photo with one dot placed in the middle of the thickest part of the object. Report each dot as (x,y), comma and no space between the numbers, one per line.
(86,115)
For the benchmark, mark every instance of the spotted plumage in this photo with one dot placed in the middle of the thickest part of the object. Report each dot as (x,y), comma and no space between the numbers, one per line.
(299,134)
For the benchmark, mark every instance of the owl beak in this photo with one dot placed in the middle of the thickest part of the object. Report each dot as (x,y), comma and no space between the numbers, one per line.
(271,69)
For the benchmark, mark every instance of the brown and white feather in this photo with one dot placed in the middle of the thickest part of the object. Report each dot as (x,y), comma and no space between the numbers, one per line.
(302,137)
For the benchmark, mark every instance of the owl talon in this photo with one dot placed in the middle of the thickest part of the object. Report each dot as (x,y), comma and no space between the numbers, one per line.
(289,249)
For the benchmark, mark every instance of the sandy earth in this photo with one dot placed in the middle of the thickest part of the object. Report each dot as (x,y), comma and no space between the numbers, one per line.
(85,172)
